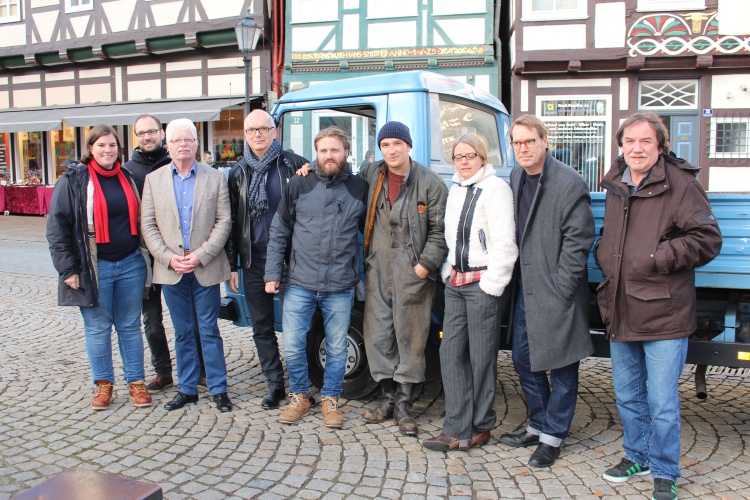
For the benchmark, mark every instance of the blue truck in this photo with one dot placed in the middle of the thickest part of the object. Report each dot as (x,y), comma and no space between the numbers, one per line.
(438,110)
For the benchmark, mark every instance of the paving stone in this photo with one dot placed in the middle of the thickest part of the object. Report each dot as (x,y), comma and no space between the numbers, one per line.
(47,426)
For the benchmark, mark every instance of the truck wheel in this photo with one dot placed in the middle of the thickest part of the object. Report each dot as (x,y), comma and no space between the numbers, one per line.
(358,384)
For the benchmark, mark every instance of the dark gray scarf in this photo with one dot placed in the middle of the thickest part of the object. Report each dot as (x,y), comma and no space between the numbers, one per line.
(257,197)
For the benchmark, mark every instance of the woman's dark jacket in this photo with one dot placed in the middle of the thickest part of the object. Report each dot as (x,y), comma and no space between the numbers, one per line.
(71,242)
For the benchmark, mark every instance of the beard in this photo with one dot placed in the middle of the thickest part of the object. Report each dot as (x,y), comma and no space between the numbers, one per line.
(332,170)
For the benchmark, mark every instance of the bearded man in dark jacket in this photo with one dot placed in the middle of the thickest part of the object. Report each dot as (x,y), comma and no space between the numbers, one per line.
(256,185)
(147,157)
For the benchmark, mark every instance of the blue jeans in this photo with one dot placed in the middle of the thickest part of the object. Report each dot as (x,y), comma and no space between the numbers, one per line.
(300,305)
(645,376)
(551,409)
(188,300)
(120,286)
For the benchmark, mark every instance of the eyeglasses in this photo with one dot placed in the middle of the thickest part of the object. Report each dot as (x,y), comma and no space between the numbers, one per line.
(186,140)
(262,130)
(468,156)
(529,143)
(152,131)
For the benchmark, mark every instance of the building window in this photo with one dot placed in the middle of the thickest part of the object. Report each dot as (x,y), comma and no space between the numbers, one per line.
(554,10)
(64,147)
(32,162)
(78,5)
(314,11)
(4,160)
(391,9)
(667,95)
(729,138)
(578,133)
(670,5)
(10,11)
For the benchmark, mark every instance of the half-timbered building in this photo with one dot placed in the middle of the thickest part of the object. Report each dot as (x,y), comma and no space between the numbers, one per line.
(584,65)
(66,65)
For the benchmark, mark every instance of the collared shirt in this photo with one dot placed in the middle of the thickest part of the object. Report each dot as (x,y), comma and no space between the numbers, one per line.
(184,190)
(627,178)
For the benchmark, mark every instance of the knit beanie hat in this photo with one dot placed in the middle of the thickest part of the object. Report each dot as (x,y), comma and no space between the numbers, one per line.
(395,130)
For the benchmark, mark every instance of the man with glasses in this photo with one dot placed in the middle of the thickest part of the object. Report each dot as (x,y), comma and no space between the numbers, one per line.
(256,185)
(554,231)
(147,157)
(185,223)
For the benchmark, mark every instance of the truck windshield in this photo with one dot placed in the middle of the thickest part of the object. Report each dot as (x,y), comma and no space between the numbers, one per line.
(299,129)
(457,118)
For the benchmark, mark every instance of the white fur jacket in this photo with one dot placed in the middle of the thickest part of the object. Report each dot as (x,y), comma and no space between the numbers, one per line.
(480,229)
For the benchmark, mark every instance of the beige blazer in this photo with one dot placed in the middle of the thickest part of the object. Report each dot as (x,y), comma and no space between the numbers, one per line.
(209,229)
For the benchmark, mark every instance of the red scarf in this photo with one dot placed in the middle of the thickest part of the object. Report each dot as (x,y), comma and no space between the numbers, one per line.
(101,215)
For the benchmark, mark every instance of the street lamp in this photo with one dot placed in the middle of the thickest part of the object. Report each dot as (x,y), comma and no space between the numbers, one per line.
(248,33)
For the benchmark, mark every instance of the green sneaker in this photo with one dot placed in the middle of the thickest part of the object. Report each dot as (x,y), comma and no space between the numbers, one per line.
(664,489)
(624,471)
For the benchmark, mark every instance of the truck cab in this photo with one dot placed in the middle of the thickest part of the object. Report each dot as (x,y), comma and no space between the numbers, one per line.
(437,110)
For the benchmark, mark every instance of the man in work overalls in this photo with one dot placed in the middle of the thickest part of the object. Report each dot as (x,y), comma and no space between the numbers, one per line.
(404,246)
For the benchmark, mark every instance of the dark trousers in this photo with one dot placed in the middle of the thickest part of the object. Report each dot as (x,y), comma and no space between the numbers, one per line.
(156,337)
(260,305)
(551,408)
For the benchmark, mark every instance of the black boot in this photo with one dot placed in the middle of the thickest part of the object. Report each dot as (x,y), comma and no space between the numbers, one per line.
(385,410)
(402,410)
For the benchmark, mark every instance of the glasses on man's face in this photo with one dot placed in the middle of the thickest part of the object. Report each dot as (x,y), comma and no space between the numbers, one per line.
(529,143)
(185,140)
(142,133)
(468,156)
(262,130)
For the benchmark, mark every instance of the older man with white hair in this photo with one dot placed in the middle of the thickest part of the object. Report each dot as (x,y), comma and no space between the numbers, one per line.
(185,223)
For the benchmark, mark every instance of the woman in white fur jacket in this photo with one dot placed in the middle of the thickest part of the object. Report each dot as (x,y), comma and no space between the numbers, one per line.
(480,232)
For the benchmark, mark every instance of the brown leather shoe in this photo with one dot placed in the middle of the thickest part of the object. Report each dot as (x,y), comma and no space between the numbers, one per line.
(444,442)
(140,394)
(103,395)
(480,439)
(158,383)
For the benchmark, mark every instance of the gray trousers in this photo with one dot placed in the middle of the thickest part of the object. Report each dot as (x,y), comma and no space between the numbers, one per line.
(398,303)
(468,359)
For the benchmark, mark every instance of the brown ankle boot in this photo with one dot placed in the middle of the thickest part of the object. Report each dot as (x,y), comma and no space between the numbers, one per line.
(384,411)
(140,394)
(402,410)
(332,416)
(299,406)
(103,395)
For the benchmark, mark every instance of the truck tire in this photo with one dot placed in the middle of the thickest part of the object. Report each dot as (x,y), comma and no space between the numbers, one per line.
(358,383)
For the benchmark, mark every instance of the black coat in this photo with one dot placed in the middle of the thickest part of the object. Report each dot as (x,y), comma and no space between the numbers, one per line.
(240,177)
(71,244)
(141,164)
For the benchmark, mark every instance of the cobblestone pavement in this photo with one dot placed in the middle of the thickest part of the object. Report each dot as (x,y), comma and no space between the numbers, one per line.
(46,424)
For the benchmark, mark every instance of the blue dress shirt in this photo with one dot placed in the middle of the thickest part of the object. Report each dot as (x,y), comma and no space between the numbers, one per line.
(184,190)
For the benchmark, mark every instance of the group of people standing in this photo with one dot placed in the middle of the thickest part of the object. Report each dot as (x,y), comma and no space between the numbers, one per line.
(520,248)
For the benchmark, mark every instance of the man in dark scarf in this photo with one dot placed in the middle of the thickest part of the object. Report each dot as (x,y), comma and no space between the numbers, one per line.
(256,185)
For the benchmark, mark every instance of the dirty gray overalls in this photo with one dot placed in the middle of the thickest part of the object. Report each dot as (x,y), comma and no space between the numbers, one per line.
(398,303)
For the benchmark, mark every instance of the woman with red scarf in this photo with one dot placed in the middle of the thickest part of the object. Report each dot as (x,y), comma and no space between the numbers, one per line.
(94,239)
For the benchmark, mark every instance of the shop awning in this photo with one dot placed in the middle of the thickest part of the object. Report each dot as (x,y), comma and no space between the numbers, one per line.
(38,120)
(203,110)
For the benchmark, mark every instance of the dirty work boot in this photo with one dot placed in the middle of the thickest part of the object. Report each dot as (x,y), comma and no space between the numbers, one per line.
(332,416)
(385,410)
(299,406)
(103,395)
(402,410)
(140,394)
